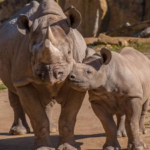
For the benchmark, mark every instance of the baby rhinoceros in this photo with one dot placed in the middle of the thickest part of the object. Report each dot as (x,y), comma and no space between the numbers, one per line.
(116,82)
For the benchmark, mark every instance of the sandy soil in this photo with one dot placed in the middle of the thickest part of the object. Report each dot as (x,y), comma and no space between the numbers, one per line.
(89,132)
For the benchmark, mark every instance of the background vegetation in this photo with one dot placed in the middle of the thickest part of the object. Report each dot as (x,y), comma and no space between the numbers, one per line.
(2,87)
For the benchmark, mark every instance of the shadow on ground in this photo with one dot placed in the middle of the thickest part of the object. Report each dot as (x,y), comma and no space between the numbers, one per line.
(26,143)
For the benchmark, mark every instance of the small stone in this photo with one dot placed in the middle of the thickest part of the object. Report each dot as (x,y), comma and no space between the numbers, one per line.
(108,46)
(127,24)
(122,42)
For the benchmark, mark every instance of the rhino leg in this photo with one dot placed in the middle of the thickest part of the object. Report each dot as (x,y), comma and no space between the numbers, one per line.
(121,131)
(133,112)
(20,125)
(31,102)
(144,111)
(69,110)
(48,110)
(109,127)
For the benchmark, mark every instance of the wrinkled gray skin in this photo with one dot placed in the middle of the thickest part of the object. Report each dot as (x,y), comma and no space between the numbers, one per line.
(37,52)
(117,83)
(121,131)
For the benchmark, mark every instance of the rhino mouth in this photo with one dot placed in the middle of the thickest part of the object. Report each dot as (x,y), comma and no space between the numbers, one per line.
(75,82)
(78,85)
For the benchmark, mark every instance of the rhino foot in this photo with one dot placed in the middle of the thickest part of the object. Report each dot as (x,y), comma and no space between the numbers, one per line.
(53,128)
(66,146)
(111,148)
(45,148)
(114,146)
(141,147)
(19,130)
(121,133)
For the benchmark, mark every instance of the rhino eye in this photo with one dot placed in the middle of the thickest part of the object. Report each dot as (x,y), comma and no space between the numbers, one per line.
(69,52)
(89,72)
(37,46)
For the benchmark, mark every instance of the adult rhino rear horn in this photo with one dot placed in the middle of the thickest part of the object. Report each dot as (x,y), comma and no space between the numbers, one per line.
(50,36)
(49,52)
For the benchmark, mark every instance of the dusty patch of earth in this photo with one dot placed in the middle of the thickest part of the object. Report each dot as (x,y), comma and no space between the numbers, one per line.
(89,132)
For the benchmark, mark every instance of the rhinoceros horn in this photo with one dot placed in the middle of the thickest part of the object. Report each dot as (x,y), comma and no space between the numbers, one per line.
(49,51)
(50,36)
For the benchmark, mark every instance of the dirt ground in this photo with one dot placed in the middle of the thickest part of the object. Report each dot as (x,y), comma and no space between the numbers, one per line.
(89,133)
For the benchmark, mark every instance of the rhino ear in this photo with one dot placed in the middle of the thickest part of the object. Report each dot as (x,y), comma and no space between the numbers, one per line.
(24,24)
(73,17)
(106,55)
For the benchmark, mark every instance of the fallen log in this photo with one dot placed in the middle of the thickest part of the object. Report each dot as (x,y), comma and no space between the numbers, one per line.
(105,39)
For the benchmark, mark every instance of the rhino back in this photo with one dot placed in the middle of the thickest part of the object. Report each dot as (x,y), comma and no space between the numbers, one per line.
(140,66)
(13,47)
(127,77)
(138,61)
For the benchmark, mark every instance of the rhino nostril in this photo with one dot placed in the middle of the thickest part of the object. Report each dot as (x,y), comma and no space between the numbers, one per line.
(41,76)
(72,76)
(58,74)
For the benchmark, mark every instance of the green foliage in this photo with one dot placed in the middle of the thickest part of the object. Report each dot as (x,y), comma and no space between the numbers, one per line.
(2,87)
(142,47)
(98,46)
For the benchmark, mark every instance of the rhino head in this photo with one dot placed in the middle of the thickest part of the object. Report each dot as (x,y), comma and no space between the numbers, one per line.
(50,39)
(90,74)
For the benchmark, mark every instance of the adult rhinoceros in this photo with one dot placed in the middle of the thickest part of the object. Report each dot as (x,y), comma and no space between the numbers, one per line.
(38,47)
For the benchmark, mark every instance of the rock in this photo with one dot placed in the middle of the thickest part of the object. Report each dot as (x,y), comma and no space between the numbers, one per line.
(109,46)
(121,12)
(98,16)
(122,42)
(130,31)
(103,15)
(145,33)
(127,24)
(9,8)
(146,10)
(92,11)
